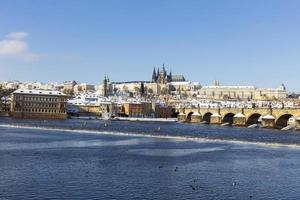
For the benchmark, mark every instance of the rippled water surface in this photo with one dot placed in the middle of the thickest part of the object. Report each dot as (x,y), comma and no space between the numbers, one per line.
(91,159)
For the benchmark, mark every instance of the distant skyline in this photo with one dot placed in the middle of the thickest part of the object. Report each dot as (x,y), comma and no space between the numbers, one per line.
(249,42)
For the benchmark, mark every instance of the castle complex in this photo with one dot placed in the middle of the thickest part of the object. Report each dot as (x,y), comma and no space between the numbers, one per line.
(160,76)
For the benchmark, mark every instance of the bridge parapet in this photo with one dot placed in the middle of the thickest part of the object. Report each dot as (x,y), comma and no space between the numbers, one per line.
(270,117)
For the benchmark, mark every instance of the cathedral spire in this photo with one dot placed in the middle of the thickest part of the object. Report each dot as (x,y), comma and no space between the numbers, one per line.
(154,77)
(164,70)
(170,76)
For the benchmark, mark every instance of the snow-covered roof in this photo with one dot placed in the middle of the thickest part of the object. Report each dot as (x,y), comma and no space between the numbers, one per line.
(239,115)
(268,117)
(180,83)
(39,92)
(132,102)
(235,87)
(5,98)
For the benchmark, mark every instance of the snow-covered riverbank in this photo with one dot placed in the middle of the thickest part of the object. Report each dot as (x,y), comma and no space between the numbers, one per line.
(146,119)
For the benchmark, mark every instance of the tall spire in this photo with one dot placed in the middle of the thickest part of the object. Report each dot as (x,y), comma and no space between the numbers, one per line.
(164,70)
(105,88)
(154,77)
(170,76)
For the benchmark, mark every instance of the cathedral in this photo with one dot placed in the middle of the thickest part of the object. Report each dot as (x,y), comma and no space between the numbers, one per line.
(160,76)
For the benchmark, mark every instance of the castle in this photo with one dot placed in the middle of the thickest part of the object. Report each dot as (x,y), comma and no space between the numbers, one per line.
(160,76)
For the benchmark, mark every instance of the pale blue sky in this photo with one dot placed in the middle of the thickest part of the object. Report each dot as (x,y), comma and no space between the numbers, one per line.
(248,42)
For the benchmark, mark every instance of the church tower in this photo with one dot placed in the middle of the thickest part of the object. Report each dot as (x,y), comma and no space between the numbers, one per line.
(142,89)
(105,86)
(162,76)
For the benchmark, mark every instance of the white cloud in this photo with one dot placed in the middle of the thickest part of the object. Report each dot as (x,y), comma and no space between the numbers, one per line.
(31,56)
(69,57)
(15,46)
(12,47)
(17,35)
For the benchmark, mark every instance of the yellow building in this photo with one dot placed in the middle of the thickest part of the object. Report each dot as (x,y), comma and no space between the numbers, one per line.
(84,88)
(147,109)
(242,92)
(41,104)
(163,111)
(227,92)
(111,108)
(68,87)
(134,109)
(271,93)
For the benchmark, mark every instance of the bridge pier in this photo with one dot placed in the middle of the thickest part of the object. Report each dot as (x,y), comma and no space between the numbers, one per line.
(181,117)
(196,118)
(216,118)
(268,121)
(239,120)
(297,123)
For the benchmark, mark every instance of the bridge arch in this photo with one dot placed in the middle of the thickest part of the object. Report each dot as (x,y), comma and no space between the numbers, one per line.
(253,119)
(206,117)
(189,117)
(175,114)
(228,118)
(282,121)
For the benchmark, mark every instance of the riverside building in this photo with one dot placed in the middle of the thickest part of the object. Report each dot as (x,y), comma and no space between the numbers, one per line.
(216,91)
(41,104)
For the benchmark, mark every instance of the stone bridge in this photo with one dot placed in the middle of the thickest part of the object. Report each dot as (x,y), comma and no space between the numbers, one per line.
(267,117)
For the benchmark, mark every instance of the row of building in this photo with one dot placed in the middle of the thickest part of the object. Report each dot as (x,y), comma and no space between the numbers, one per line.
(57,105)
(154,98)
(162,83)
(68,87)
(216,91)
(49,104)
(117,106)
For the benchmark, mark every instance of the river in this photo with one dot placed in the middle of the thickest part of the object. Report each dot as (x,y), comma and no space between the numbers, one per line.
(92,159)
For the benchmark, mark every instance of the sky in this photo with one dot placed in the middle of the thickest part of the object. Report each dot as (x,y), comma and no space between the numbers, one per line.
(249,42)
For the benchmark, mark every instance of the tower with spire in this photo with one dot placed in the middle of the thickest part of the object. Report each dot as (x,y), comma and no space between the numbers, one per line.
(154,76)
(142,89)
(105,86)
(162,76)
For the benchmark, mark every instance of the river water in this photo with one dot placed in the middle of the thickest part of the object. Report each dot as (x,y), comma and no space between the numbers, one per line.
(92,159)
